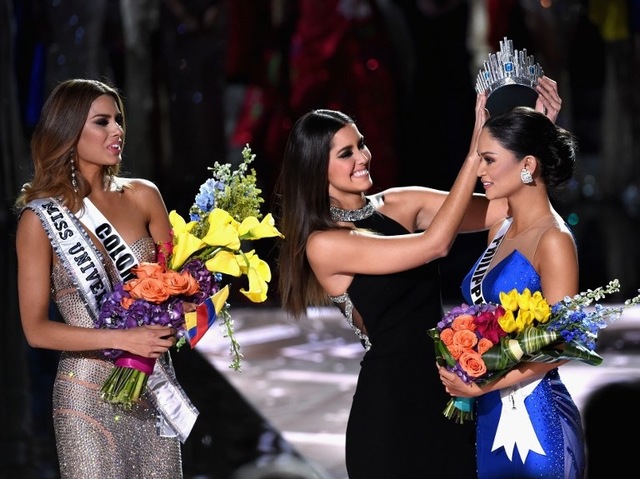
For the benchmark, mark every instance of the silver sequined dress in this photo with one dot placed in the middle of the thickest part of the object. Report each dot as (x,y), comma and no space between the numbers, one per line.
(95,439)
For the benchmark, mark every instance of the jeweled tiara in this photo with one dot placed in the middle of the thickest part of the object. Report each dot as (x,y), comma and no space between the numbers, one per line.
(509,68)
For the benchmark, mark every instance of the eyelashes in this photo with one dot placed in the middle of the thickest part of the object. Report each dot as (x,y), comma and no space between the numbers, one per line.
(105,121)
(348,152)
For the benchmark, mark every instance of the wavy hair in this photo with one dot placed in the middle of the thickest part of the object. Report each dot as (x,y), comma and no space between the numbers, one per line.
(302,205)
(54,140)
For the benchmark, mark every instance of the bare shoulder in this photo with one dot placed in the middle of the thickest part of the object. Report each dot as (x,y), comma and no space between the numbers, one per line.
(321,244)
(30,234)
(558,239)
(141,190)
(28,223)
(138,185)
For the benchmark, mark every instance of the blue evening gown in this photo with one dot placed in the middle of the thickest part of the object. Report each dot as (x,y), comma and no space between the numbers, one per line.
(553,414)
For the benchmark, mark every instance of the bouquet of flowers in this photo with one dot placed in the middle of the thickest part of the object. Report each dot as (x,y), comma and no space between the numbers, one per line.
(192,269)
(483,342)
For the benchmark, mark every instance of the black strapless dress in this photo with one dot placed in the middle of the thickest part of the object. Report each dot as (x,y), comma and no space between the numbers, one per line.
(396,429)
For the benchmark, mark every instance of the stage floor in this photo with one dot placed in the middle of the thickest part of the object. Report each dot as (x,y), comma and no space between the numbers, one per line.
(299,375)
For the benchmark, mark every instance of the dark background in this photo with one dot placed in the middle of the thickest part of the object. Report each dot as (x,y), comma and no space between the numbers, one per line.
(201,78)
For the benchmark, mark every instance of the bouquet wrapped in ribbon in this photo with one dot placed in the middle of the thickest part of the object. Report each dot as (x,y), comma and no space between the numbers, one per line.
(481,343)
(192,269)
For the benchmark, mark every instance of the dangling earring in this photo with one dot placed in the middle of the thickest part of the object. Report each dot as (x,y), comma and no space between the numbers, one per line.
(74,181)
(525,176)
(108,179)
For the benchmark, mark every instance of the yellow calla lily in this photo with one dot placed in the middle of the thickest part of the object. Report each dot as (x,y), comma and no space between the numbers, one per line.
(185,244)
(263,269)
(224,262)
(252,261)
(252,229)
(218,218)
(179,225)
(223,230)
(258,288)
(224,235)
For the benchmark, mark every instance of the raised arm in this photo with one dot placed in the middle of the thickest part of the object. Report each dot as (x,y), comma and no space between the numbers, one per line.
(343,252)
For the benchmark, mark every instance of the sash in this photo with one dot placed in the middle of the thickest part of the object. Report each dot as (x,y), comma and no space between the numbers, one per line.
(84,263)
(482,266)
(77,253)
(117,249)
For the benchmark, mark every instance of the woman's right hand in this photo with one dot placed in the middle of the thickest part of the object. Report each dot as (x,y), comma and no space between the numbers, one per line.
(149,341)
(457,387)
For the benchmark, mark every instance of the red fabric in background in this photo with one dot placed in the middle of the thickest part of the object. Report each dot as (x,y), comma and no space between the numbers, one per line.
(320,56)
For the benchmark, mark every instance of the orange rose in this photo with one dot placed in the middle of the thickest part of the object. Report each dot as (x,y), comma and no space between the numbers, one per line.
(484,345)
(464,321)
(446,335)
(472,364)
(151,289)
(465,338)
(147,270)
(180,283)
(455,350)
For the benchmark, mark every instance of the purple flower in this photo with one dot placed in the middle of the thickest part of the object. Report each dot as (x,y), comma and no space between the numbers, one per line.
(170,313)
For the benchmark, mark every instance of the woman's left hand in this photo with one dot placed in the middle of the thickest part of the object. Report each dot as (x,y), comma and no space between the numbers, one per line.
(549,101)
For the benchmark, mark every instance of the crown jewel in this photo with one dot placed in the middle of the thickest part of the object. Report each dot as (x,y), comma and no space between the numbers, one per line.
(508,67)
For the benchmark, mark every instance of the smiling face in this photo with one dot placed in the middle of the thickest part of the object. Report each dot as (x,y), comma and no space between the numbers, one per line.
(349,160)
(101,139)
(499,170)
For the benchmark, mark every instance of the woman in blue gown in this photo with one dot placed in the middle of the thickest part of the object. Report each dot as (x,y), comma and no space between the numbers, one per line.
(527,423)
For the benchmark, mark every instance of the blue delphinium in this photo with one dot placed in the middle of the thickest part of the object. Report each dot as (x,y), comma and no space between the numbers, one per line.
(205,200)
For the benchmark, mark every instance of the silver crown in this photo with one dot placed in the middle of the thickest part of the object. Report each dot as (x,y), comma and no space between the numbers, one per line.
(508,67)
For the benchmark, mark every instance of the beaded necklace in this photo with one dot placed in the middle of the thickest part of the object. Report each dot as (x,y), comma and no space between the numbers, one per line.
(338,214)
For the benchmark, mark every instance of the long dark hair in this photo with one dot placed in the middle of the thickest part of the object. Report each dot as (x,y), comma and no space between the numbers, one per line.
(302,197)
(54,139)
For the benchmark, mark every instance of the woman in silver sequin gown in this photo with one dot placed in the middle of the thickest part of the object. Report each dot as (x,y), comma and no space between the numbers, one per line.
(76,149)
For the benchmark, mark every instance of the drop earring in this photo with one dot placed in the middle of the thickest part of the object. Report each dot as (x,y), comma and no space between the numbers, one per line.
(525,176)
(108,179)
(74,181)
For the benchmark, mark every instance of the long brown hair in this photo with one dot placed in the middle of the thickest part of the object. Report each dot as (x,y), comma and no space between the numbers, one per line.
(54,141)
(302,194)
